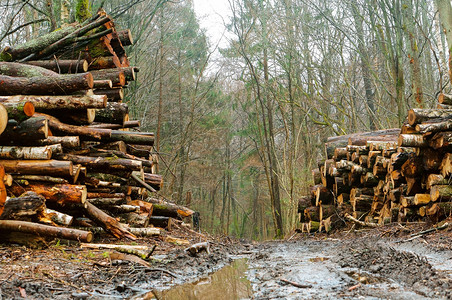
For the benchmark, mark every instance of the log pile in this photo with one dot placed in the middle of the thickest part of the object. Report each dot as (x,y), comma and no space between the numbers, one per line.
(394,175)
(69,155)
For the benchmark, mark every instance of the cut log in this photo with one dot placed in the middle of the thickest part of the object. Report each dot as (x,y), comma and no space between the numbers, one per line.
(446,165)
(116,76)
(102,84)
(113,95)
(422,199)
(13,69)
(61,65)
(58,193)
(45,230)
(434,125)
(44,178)
(110,224)
(26,132)
(59,217)
(324,195)
(104,62)
(74,117)
(69,142)
(103,165)
(45,103)
(445,99)
(38,167)
(105,202)
(136,220)
(164,208)
(28,207)
(127,124)
(412,140)
(60,85)
(441,193)
(116,113)
(437,179)
(419,115)
(18,111)
(17,152)
(441,140)
(125,36)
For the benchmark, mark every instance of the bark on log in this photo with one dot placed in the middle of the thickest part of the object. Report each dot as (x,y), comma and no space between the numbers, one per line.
(446,165)
(27,132)
(113,95)
(136,220)
(44,178)
(125,36)
(60,85)
(103,165)
(441,140)
(434,125)
(445,99)
(17,152)
(419,115)
(58,193)
(27,207)
(61,66)
(102,84)
(117,77)
(69,142)
(110,224)
(18,111)
(127,124)
(45,103)
(167,209)
(116,113)
(59,217)
(38,167)
(441,193)
(104,62)
(412,140)
(45,230)
(437,179)
(25,71)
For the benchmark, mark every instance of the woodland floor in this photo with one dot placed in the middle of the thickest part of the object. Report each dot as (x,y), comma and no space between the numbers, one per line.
(364,264)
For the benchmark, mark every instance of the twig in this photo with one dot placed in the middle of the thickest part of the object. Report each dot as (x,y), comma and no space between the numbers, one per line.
(301,286)
(444,226)
(144,184)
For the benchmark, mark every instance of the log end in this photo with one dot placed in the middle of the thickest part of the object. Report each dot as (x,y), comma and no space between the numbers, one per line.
(3,118)
(89,79)
(85,66)
(411,117)
(29,109)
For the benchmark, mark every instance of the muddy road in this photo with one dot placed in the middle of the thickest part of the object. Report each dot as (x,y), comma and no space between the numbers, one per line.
(311,267)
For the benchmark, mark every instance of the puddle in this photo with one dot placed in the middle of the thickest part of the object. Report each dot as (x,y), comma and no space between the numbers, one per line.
(230,282)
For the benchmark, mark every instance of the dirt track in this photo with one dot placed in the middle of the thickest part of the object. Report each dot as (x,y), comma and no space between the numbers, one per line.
(369,267)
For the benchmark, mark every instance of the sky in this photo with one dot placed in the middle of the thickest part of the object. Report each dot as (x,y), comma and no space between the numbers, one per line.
(212,15)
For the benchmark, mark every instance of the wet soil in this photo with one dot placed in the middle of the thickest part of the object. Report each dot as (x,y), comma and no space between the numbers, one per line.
(367,264)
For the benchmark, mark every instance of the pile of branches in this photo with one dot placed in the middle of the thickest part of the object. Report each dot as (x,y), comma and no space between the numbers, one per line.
(71,161)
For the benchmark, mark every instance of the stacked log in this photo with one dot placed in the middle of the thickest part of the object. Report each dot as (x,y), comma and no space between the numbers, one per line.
(394,175)
(69,155)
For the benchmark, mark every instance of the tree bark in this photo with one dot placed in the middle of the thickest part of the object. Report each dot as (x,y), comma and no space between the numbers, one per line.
(17,152)
(116,113)
(117,77)
(45,230)
(27,132)
(18,111)
(58,193)
(167,209)
(43,103)
(113,95)
(110,224)
(59,85)
(38,167)
(62,66)
(419,115)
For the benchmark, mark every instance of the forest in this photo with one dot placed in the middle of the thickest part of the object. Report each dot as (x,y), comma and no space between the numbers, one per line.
(238,129)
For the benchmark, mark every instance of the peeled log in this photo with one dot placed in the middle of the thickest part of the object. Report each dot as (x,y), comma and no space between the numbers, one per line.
(419,115)
(17,152)
(26,132)
(61,65)
(45,230)
(59,193)
(59,85)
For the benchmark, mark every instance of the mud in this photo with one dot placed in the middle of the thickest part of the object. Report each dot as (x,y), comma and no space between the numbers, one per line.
(363,266)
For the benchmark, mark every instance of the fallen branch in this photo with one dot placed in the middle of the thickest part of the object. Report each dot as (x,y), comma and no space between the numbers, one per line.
(301,286)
